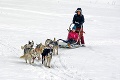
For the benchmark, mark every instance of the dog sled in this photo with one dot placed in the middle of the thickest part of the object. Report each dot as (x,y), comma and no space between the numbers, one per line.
(72,42)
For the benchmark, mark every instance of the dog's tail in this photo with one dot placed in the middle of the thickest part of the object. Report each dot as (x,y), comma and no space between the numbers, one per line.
(23,56)
(22,47)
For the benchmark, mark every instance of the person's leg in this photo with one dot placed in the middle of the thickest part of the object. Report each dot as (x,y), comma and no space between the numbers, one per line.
(70,41)
(63,40)
(82,40)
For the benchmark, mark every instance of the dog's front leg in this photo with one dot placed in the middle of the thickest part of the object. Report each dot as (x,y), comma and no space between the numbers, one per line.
(45,61)
(42,59)
(48,61)
(29,60)
(26,59)
(54,51)
(39,56)
(57,50)
(33,59)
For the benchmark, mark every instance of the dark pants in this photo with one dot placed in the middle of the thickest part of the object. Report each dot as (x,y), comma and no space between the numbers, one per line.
(71,41)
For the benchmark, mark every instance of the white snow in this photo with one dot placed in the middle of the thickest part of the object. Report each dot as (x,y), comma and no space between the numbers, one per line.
(24,20)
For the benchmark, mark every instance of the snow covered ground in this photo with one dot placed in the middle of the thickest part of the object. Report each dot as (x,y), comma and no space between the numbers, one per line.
(24,20)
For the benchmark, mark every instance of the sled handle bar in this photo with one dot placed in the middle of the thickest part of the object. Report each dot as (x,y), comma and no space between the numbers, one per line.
(70,27)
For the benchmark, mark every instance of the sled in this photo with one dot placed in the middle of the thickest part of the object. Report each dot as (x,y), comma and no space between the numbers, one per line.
(65,44)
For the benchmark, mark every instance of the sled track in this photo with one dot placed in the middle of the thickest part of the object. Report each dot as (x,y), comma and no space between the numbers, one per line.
(58,66)
(40,69)
(64,69)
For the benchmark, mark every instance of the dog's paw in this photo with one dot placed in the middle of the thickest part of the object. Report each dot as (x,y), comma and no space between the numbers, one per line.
(39,58)
(48,66)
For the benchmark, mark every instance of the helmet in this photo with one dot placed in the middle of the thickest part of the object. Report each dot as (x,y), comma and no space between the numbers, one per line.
(74,28)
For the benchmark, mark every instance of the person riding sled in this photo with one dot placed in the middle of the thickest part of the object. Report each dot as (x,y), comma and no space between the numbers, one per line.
(73,37)
(78,21)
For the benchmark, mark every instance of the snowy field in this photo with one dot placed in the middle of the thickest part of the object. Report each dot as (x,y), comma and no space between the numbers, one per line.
(37,20)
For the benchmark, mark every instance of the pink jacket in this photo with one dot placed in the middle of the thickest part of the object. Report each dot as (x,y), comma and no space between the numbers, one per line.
(73,35)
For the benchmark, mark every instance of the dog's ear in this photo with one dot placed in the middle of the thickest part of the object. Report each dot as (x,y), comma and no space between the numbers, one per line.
(37,44)
(32,41)
(29,42)
(40,43)
(54,39)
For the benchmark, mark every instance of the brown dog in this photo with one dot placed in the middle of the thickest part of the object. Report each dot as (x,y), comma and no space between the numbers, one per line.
(39,49)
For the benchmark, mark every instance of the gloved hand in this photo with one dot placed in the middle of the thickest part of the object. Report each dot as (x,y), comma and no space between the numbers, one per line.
(77,23)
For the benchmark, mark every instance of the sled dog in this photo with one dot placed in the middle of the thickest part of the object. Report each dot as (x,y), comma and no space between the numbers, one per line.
(39,49)
(30,55)
(46,57)
(53,44)
(27,48)
(48,42)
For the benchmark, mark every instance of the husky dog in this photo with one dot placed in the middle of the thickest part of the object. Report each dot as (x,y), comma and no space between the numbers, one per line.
(39,49)
(52,43)
(55,46)
(30,55)
(47,56)
(47,42)
(27,47)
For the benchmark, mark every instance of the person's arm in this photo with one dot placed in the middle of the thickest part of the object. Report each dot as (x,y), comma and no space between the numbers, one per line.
(82,20)
(74,19)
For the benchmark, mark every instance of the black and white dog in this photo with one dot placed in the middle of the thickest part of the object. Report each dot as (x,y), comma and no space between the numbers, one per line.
(47,56)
